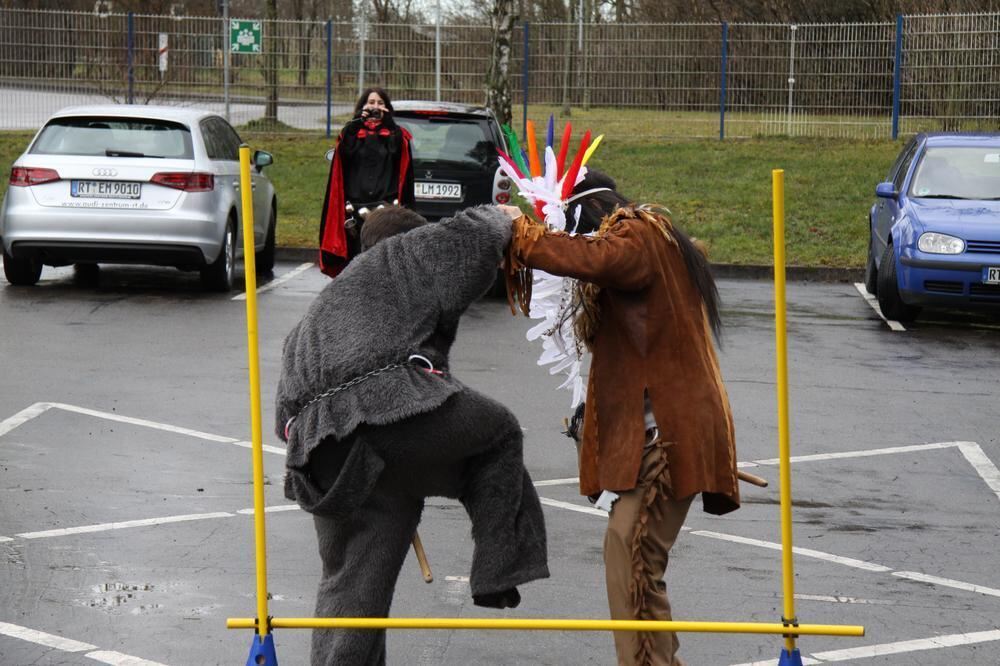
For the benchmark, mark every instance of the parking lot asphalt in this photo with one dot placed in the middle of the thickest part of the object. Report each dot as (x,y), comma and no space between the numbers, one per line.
(125,483)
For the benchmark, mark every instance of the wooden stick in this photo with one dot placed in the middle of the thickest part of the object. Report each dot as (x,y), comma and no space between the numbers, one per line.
(751,478)
(418,550)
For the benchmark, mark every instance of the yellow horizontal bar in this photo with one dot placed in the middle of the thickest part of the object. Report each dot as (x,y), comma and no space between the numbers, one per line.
(549,625)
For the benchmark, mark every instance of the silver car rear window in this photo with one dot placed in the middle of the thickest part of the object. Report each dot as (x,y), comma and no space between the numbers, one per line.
(114,136)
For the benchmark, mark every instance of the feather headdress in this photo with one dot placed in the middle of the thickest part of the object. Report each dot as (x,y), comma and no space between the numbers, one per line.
(548,185)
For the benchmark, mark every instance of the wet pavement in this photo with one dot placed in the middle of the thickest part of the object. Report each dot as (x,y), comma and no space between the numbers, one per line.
(125,536)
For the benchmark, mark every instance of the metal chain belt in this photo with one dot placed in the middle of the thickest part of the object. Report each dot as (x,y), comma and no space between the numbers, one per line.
(355,381)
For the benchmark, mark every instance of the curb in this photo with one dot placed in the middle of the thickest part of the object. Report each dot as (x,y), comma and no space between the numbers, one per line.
(723,271)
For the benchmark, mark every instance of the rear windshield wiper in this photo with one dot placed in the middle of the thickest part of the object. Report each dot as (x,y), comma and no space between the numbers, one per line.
(126,153)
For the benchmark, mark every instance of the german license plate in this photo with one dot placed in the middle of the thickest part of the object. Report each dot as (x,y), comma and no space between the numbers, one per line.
(425,190)
(991,274)
(105,189)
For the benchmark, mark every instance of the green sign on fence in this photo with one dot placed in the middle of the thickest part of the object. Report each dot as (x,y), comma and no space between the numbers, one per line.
(244,36)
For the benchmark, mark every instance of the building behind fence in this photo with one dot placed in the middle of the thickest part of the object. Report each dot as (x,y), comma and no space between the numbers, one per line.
(870,80)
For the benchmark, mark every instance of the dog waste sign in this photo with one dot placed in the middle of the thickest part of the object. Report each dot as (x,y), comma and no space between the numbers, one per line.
(244,36)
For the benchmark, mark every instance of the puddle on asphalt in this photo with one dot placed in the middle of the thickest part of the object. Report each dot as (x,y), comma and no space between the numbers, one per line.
(112,596)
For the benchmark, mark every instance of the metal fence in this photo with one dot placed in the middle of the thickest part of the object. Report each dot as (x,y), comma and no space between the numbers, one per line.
(870,80)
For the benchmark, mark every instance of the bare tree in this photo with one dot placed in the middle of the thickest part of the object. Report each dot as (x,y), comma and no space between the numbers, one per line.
(498,93)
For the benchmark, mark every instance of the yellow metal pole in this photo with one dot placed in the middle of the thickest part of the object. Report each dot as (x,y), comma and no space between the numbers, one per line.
(545,624)
(785,474)
(250,272)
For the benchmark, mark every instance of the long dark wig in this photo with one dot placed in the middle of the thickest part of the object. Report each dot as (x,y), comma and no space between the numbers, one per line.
(594,207)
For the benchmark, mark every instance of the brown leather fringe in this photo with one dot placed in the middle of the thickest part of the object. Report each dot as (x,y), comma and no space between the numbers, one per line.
(659,487)
(518,276)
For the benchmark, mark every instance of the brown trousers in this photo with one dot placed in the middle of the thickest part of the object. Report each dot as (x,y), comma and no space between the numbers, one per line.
(642,527)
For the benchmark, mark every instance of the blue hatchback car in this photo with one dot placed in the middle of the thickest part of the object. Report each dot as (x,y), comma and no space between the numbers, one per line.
(935,228)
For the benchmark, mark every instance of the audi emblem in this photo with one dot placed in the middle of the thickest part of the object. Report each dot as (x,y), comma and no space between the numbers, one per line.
(105,172)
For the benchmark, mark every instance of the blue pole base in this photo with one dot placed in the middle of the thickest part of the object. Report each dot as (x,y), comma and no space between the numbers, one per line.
(787,658)
(262,652)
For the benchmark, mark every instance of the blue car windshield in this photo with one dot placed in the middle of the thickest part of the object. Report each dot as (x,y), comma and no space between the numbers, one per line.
(953,172)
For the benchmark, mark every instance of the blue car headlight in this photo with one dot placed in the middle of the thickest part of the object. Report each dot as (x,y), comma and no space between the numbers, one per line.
(935,243)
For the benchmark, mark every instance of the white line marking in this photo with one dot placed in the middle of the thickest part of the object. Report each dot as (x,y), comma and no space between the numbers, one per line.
(119,659)
(866,453)
(983,465)
(277,281)
(872,301)
(145,423)
(3,539)
(103,527)
(573,507)
(23,417)
(557,482)
(844,600)
(899,647)
(270,509)
(947,582)
(44,639)
(805,552)
(266,447)
(460,579)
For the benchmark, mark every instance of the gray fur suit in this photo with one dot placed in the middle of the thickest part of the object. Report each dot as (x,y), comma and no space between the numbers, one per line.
(363,459)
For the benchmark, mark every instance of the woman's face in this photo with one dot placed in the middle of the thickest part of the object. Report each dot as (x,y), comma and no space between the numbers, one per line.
(374,101)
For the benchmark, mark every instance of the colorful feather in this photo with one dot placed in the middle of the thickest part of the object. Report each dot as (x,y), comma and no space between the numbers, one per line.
(515,148)
(533,163)
(590,151)
(563,150)
(570,181)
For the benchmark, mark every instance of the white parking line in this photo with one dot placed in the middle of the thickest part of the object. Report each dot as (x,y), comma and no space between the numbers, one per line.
(277,281)
(883,649)
(44,639)
(105,527)
(119,659)
(109,416)
(872,301)
(23,417)
(557,482)
(982,464)
(573,507)
(805,552)
(844,600)
(865,453)
(947,582)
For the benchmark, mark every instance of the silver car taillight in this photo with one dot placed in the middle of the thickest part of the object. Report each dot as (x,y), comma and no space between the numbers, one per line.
(28,176)
(189,182)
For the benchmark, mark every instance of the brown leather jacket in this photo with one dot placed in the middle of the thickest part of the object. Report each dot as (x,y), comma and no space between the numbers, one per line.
(653,335)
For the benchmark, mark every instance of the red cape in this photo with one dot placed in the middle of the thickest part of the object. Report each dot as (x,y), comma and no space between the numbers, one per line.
(333,253)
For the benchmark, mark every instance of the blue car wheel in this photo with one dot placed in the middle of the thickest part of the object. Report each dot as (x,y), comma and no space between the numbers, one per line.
(889,300)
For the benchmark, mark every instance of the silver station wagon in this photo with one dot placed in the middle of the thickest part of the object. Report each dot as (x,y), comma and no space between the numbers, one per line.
(134,184)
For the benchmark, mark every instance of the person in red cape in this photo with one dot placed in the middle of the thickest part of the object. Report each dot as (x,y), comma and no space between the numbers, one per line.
(372,163)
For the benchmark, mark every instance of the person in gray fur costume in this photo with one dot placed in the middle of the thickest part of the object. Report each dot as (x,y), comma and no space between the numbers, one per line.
(372,431)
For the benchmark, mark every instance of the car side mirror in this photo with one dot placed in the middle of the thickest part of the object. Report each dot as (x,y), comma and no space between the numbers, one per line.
(262,159)
(886,191)
(329,155)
